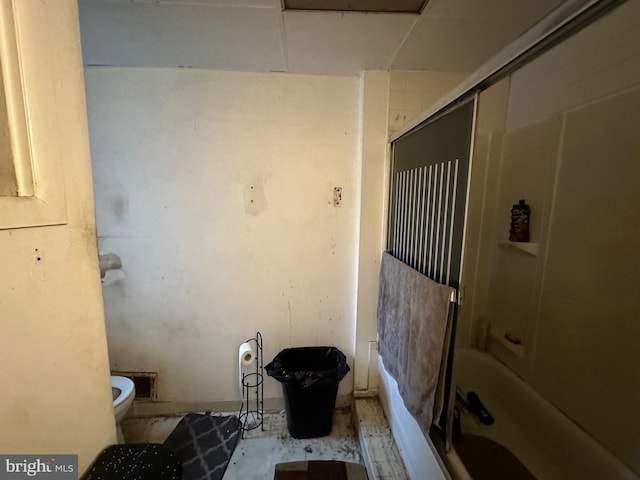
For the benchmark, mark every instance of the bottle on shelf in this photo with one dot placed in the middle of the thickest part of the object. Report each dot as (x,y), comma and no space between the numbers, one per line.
(520,215)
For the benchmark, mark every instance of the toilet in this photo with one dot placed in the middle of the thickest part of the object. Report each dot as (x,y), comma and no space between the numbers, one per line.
(123,391)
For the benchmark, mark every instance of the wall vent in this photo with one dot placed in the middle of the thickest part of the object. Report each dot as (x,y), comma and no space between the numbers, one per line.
(145,383)
(367,6)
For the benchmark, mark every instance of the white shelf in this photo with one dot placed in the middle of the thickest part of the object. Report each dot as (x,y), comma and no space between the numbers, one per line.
(525,247)
(516,349)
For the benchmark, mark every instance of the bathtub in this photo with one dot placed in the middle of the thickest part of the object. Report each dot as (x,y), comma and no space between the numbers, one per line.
(547,442)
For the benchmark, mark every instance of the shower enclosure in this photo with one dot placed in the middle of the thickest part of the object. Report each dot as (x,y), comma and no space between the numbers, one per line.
(554,124)
(430,169)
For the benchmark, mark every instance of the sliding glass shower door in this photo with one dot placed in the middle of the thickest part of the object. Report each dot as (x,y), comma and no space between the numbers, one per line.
(428,196)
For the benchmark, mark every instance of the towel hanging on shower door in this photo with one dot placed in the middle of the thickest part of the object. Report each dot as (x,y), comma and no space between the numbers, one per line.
(414,315)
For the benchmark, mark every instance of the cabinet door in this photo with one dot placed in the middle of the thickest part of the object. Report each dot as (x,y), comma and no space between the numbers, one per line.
(32,191)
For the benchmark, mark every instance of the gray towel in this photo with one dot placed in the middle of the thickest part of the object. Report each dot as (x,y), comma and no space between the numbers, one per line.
(413,321)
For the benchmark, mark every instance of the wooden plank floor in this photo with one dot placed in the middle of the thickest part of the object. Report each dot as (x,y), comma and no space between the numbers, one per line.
(379,450)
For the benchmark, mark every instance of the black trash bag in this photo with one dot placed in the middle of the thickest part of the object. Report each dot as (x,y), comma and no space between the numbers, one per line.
(309,377)
(304,366)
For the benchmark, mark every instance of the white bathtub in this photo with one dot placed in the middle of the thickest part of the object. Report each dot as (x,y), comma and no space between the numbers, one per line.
(548,443)
(417,451)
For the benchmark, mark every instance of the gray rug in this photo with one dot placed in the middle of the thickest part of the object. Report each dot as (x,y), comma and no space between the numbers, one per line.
(204,444)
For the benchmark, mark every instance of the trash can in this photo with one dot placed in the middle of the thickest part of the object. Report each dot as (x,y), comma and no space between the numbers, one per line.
(309,378)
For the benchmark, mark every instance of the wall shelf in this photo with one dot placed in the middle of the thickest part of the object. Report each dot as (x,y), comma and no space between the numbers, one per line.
(516,349)
(526,247)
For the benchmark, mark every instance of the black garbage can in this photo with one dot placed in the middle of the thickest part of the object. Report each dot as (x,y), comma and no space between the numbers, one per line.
(309,378)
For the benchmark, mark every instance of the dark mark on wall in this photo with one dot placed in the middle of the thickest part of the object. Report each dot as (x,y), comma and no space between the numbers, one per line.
(120,206)
(255,201)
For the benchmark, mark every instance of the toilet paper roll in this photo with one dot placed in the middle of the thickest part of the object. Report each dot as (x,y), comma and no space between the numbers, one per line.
(246,354)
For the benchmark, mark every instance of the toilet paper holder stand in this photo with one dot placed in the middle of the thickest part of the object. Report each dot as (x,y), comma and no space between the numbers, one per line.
(251,415)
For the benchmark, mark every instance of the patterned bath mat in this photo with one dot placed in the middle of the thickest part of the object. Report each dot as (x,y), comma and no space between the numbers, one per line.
(204,445)
(320,470)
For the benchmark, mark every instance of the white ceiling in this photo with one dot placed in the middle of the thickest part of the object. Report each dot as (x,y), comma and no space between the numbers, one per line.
(255,35)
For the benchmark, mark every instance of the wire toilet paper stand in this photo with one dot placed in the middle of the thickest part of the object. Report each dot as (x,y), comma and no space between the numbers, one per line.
(251,413)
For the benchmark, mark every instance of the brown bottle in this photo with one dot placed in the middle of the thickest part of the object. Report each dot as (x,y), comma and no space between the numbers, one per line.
(520,215)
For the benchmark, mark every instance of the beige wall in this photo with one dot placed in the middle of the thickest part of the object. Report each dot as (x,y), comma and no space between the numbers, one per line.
(390,101)
(290,137)
(411,93)
(216,190)
(55,376)
(569,146)
(374,171)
